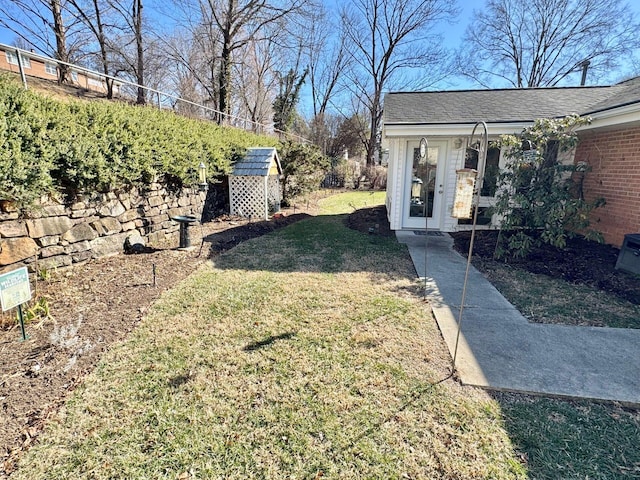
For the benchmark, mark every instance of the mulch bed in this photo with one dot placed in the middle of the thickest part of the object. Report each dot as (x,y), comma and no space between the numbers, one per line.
(372,220)
(582,262)
(92,306)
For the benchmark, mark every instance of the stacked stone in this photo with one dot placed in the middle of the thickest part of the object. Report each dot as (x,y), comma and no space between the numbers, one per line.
(59,235)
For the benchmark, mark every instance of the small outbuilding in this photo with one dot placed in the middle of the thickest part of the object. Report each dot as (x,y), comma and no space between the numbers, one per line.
(254,184)
(420,187)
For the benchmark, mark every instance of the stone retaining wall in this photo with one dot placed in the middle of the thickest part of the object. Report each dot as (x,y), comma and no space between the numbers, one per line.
(59,235)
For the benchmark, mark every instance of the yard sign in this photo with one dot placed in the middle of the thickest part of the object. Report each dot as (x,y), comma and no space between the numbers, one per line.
(15,288)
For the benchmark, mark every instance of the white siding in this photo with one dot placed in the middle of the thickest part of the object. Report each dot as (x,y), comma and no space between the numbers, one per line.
(395,194)
(454,161)
(397,137)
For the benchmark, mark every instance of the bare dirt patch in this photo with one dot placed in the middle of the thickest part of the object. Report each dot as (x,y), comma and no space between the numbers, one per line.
(372,220)
(92,306)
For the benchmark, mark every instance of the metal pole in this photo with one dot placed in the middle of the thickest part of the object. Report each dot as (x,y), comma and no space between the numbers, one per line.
(482,158)
(424,145)
(21,318)
(426,228)
(21,68)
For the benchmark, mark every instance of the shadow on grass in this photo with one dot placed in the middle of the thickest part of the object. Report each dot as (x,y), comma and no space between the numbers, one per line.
(411,400)
(216,243)
(268,341)
(561,438)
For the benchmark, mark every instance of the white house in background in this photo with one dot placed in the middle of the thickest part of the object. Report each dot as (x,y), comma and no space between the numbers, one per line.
(446,119)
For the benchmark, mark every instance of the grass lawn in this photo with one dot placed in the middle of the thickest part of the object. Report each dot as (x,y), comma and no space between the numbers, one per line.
(543,299)
(308,353)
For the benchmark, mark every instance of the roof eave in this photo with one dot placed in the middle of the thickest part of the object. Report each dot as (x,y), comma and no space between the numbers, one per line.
(622,115)
(451,129)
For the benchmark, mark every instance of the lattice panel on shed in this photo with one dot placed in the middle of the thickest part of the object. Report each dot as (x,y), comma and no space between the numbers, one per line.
(246,195)
(275,195)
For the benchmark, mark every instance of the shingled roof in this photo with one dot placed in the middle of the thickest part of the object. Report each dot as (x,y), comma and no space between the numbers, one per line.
(504,105)
(257,162)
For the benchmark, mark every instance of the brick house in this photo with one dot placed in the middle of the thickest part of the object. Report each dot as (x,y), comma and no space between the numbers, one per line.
(46,68)
(422,195)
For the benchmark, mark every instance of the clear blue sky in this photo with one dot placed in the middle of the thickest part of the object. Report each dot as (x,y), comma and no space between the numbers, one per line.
(452,35)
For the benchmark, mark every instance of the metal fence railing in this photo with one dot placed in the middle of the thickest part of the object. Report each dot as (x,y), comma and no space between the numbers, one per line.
(30,64)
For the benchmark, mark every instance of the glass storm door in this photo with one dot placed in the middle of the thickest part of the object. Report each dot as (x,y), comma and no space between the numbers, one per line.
(423,187)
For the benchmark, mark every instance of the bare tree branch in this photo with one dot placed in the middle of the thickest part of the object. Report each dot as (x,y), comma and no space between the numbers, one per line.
(386,39)
(532,43)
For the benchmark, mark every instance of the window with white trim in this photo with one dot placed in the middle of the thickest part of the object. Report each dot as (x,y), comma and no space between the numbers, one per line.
(51,69)
(12,59)
(74,76)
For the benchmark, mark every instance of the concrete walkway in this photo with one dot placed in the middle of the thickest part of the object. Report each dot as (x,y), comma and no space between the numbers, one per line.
(500,349)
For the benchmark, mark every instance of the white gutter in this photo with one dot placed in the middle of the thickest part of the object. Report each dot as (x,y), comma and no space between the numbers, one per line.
(447,130)
(627,115)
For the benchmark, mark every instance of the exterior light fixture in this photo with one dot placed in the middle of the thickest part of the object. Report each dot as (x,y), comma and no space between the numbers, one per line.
(202,175)
(457,144)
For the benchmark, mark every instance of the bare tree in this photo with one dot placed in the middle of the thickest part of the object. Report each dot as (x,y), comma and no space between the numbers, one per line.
(234,24)
(40,23)
(193,50)
(532,43)
(385,40)
(256,82)
(130,45)
(60,34)
(95,16)
(349,136)
(327,60)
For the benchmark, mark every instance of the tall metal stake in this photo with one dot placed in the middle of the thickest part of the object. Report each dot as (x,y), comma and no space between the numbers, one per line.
(482,158)
(424,155)
(21,319)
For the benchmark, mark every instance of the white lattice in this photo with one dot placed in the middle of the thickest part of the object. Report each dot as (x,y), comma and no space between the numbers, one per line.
(274,195)
(246,196)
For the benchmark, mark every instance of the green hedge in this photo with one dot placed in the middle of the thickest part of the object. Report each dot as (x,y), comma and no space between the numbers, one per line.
(74,147)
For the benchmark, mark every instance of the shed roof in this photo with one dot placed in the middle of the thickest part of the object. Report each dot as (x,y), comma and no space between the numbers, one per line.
(257,162)
(504,105)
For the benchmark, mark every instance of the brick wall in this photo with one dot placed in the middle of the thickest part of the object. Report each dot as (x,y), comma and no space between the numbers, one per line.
(58,234)
(33,67)
(614,159)
(36,68)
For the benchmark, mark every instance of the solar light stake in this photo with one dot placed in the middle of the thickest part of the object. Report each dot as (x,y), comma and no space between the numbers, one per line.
(482,158)
(21,318)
